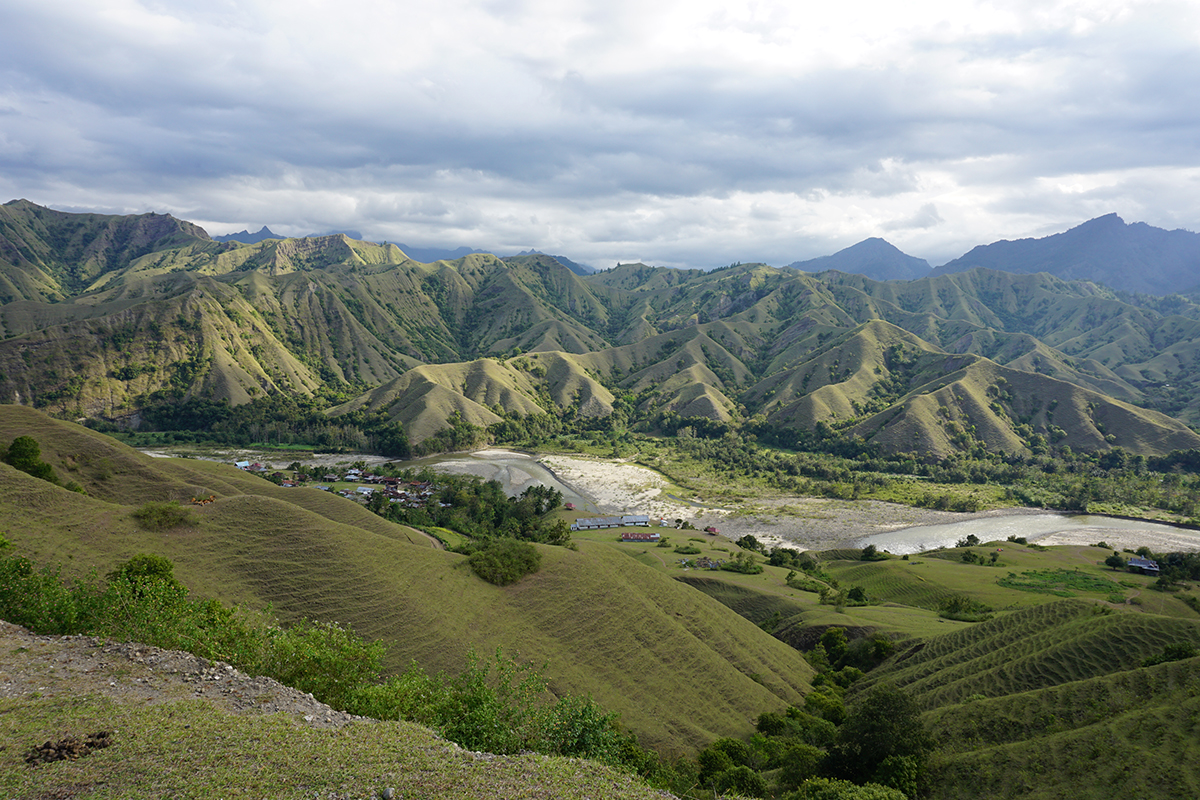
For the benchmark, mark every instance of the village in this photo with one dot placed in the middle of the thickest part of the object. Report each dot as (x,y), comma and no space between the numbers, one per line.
(364,486)
(411,494)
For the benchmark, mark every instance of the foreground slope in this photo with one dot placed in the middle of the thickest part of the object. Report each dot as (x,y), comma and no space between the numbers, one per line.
(639,643)
(241,735)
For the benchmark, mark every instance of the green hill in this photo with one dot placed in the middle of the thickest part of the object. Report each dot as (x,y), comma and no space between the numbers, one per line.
(638,642)
(106,317)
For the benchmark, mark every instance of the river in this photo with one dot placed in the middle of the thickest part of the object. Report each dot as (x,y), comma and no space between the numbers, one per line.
(1044,528)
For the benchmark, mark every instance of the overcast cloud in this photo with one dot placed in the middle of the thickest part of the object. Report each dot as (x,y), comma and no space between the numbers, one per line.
(690,133)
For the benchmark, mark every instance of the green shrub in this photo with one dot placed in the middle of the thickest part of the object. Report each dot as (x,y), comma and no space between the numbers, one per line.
(1173,652)
(800,762)
(963,608)
(26,455)
(505,561)
(324,659)
(499,707)
(831,789)
(741,780)
(687,550)
(162,516)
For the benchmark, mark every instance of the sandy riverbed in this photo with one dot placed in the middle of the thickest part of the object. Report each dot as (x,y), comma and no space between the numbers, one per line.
(804,522)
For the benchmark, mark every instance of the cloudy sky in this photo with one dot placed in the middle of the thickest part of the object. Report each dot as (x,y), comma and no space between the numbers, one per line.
(689,132)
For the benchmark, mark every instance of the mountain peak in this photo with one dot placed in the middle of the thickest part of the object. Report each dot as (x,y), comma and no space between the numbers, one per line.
(874,257)
(1134,258)
(246,237)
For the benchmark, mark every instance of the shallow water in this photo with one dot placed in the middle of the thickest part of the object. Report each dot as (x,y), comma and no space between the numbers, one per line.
(1059,528)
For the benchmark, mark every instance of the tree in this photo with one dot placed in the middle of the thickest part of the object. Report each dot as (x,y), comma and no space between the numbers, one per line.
(885,724)
(835,643)
(869,553)
(1115,561)
(505,561)
(741,780)
(749,542)
(26,455)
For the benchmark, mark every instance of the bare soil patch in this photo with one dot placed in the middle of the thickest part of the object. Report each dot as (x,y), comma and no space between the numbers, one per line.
(65,666)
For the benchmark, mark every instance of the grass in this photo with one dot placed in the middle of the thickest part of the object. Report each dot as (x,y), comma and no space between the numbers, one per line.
(1058,582)
(641,644)
(191,750)
(1126,734)
(637,640)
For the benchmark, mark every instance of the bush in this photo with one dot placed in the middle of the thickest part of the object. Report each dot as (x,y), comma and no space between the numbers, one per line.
(498,707)
(745,563)
(324,659)
(828,789)
(749,542)
(963,608)
(26,455)
(505,561)
(741,780)
(800,762)
(163,516)
(871,553)
(1173,652)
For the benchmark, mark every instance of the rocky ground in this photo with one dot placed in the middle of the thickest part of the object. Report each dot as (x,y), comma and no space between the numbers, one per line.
(322,754)
(54,666)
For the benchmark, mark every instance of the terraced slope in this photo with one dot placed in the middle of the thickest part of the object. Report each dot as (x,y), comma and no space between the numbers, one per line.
(1052,700)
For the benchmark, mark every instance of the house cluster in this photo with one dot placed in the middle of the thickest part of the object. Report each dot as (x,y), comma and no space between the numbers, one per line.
(704,562)
(1146,566)
(410,494)
(598,523)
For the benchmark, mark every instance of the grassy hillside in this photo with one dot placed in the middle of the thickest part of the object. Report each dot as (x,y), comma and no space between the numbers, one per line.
(640,643)
(178,727)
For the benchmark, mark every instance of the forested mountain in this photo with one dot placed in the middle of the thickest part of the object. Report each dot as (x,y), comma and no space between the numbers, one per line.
(1131,257)
(106,317)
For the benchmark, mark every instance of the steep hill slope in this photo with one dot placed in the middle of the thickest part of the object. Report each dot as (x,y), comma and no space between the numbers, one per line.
(1053,700)
(640,643)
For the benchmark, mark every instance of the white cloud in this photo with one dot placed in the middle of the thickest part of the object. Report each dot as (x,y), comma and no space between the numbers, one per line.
(679,132)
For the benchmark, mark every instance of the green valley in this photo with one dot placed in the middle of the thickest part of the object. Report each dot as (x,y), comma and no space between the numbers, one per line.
(747,666)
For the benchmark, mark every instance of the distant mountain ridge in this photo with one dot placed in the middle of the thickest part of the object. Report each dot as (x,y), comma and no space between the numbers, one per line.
(574,266)
(246,237)
(107,316)
(876,258)
(1130,257)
